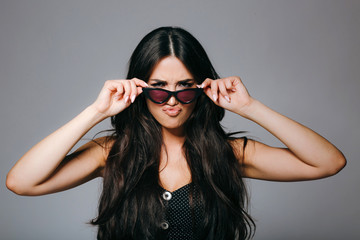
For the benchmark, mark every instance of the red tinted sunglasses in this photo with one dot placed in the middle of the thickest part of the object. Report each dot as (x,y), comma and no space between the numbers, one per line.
(159,95)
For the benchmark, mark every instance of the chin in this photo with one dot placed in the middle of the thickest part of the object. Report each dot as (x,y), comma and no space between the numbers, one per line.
(172,124)
(172,127)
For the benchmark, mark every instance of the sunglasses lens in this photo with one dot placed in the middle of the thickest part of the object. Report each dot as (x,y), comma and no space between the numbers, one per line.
(186,96)
(158,95)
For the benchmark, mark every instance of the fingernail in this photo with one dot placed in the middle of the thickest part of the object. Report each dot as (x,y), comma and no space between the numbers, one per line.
(214,97)
(146,84)
(227,98)
(126,99)
(233,89)
(199,86)
(202,85)
(133,98)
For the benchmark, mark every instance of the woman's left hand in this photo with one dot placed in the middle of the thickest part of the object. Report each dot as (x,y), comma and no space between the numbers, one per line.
(229,93)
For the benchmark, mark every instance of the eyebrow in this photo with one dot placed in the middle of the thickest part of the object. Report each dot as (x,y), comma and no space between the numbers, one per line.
(180,81)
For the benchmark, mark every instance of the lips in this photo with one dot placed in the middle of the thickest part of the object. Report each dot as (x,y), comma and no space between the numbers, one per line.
(171,111)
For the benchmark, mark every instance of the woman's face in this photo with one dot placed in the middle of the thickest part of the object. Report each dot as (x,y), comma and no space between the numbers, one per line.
(171,74)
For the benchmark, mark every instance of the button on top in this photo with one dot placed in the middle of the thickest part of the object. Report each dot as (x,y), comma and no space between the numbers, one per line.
(167,195)
(164,225)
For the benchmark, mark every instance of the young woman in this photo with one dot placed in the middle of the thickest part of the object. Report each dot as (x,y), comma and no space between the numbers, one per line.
(170,171)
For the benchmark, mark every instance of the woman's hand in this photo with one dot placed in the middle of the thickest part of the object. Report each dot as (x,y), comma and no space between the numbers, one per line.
(229,93)
(116,95)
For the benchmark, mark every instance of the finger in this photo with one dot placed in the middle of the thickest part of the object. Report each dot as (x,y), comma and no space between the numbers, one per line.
(140,82)
(223,90)
(235,81)
(139,90)
(228,83)
(133,91)
(214,90)
(112,89)
(110,85)
(106,92)
(119,91)
(206,83)
(127,88)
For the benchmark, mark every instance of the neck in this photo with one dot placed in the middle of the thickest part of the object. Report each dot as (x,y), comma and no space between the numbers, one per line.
(172,137)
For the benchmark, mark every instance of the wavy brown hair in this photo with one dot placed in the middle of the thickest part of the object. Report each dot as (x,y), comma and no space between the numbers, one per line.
(131,206)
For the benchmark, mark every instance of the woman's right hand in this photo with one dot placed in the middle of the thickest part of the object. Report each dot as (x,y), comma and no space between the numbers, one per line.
(116,95)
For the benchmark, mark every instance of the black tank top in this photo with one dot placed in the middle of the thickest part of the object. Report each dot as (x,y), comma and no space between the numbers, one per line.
(183,213)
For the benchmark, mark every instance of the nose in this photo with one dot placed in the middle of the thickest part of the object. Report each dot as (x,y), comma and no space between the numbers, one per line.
(172,101)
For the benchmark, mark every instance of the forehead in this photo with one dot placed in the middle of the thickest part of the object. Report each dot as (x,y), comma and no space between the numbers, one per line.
(170,69)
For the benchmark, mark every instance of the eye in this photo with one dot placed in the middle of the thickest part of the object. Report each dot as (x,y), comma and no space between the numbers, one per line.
(186,84)
(157,84)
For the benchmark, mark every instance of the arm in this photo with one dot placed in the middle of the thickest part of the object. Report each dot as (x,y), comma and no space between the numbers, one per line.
(45,168)
(307,156)
(40,169)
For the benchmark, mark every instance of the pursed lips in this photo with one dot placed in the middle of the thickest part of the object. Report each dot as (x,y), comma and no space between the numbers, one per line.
(171,111)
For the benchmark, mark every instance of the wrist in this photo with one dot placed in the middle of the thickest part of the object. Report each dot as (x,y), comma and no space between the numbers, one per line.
(248,109)
(94,114)
(258,112)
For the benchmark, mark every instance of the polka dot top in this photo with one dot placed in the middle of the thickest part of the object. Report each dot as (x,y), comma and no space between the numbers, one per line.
(181,220)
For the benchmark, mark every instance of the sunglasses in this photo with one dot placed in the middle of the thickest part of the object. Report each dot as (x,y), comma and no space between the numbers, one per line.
(159,95)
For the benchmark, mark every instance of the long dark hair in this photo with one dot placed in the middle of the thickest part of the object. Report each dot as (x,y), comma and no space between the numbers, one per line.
(130,206)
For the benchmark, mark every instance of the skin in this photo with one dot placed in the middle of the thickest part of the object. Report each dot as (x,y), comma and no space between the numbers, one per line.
(46,167)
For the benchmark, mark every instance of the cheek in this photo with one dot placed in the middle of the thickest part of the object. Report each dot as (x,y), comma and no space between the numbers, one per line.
(190,108)
(154,108)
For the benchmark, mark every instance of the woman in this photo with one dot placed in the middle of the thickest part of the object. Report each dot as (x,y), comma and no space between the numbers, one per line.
(170,171)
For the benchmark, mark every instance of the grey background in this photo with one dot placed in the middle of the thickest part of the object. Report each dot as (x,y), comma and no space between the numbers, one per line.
(302,58)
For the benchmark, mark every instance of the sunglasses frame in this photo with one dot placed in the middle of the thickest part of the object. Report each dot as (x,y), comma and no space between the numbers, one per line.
(197,91)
